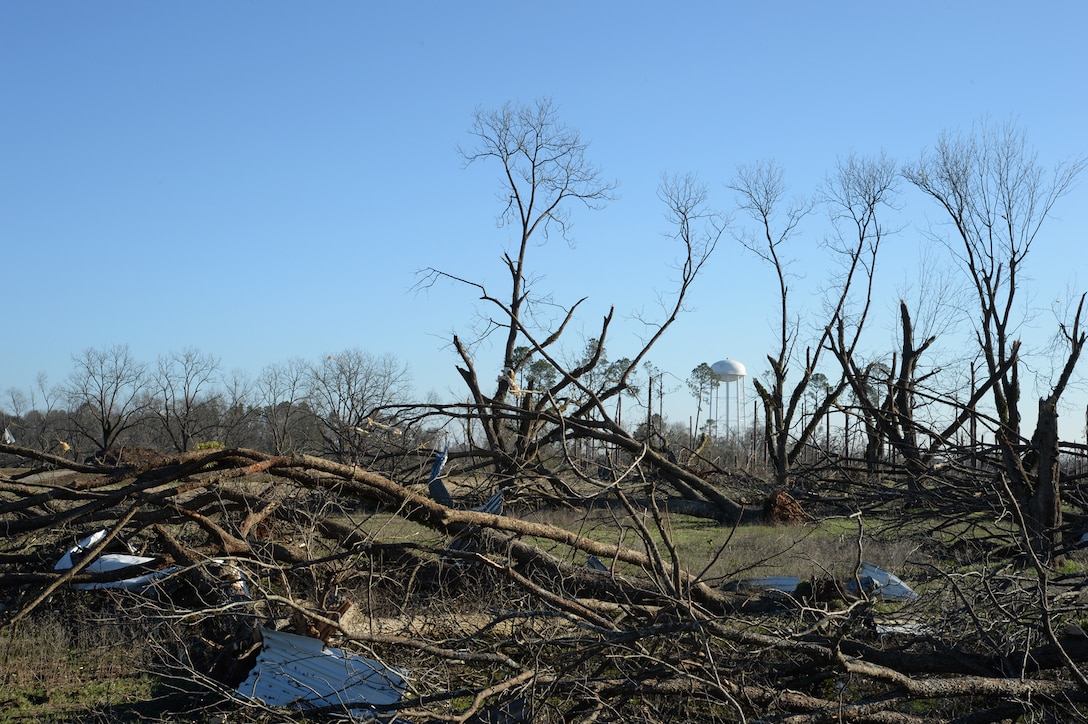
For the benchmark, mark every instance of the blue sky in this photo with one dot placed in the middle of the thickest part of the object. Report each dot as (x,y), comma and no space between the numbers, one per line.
(263,180)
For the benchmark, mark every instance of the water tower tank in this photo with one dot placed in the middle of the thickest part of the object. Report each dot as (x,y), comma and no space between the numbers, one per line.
(729,370)
(732,374)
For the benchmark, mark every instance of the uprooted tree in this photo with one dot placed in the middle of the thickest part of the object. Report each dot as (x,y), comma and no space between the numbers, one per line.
(516,624)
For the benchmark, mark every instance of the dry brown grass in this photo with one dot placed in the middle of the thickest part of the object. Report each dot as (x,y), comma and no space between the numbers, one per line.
(73,665)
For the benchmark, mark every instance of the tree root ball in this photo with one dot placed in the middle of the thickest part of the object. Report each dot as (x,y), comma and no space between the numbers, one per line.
(781,507)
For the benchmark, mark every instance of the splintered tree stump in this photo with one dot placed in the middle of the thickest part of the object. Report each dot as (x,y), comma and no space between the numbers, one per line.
(781,507)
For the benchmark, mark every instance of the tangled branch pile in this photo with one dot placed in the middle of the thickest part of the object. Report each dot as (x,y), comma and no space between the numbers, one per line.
(495,617)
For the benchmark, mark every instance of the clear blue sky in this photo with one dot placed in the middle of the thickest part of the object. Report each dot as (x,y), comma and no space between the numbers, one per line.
(262,180)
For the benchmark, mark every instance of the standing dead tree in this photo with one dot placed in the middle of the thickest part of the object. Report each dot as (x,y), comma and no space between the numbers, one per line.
(107,396)
(349,394)
(854,197)
(186,405)
(996,197)
(544,171)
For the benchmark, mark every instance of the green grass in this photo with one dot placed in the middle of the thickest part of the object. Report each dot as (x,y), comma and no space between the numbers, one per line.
(826,548)
(74,700)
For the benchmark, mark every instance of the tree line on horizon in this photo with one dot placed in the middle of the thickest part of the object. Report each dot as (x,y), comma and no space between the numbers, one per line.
(336,406)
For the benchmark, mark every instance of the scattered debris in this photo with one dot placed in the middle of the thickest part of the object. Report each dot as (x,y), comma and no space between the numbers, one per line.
(437,488)
(441,494)
(8,438)
(901,628)
(492,506)
(785,584)
(110,562)
(369,423)
(875,581)
(298,671)
(881,584)
(595,564)
(465,542)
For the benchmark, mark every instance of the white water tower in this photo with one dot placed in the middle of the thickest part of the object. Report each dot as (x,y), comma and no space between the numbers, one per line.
(732,374)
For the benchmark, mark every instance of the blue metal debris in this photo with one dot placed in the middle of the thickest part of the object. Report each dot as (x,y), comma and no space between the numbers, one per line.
(492,506)
(437,488)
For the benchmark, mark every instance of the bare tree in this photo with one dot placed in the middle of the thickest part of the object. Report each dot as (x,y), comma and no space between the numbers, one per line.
(761,191)
(238,414)
(187,404)
(281,391)
(853,197)
(18,402)
(39,413)
(997,197)
(885,393)
(349,392)
(544,172)
(107,395)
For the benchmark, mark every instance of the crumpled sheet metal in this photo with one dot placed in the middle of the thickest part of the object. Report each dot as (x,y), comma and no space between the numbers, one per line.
(875,581)
(110,562)
(299,671)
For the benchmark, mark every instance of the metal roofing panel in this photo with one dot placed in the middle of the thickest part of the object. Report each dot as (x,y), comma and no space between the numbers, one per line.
(110,562)
(492,506)
(300,671)
(886,585)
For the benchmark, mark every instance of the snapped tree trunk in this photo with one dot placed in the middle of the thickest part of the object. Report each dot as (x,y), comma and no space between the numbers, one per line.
(1042,506)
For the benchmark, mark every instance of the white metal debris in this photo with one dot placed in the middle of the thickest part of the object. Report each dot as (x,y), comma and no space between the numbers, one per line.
(875,581)
(110,562)
(300,671)
(882,584)
(785,584)
(902,629)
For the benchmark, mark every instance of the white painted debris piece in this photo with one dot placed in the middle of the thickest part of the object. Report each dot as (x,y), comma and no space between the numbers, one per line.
(902,629)
(882,584)
(110,562)
(299,671)
(875,581)
(785,584)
